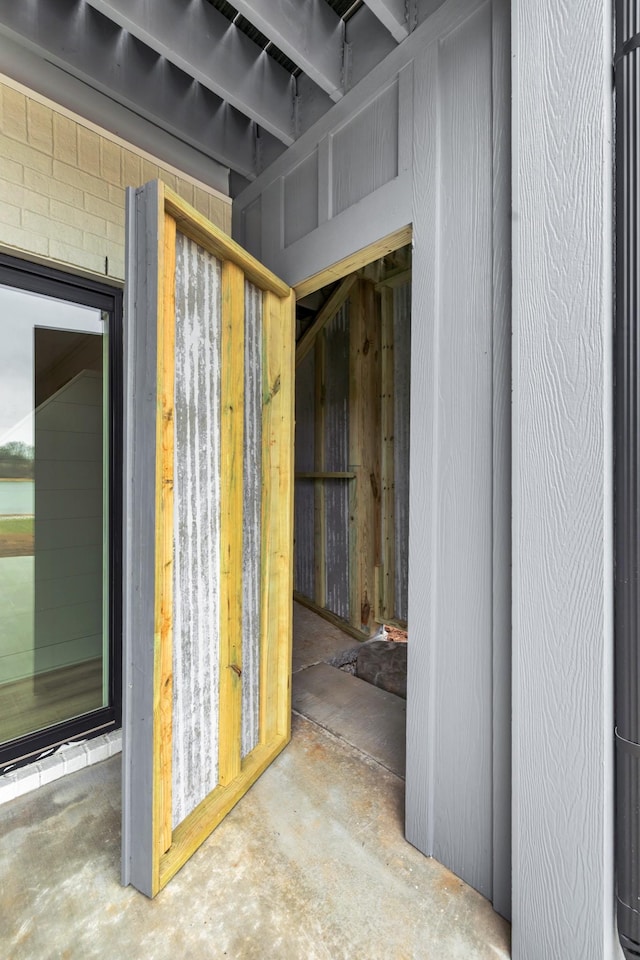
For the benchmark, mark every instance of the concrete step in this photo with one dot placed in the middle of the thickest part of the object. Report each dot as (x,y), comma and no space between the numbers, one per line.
(370,719)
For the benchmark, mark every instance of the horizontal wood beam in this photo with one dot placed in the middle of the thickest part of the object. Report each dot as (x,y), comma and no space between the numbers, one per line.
(328,311)
(309,32)
(74,36)
(392,14)
(202,42)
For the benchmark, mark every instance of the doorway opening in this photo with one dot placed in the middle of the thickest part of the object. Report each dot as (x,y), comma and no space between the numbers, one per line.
(351,504)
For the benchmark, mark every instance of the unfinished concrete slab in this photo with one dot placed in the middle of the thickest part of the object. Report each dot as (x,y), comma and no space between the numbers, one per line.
(368,718)
(315,639)
(311,865)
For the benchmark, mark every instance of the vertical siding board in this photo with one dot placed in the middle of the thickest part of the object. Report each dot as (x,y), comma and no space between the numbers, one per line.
(336,459)
(251,543)
(197,526)
(563,894)
(401,411)
(304,489)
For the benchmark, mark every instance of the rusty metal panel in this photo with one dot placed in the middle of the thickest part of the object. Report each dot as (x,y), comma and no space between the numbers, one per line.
(337,459)
(251,508)
(196,527)
(402,384)
(304,569)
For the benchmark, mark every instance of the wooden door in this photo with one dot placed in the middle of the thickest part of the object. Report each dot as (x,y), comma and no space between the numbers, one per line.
(209,361)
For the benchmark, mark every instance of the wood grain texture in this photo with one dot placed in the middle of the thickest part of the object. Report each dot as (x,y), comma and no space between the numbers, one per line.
(319,461)
(251,518)
(325,314)
(364,151)
(140,360)
(231,478)
(335,457)
(198,228)
(301,199)
(400,439)
(386,588)
(364,453)
(163,634)
(450,804)
(277,516)
(304,524)
(562,572)
(197,495)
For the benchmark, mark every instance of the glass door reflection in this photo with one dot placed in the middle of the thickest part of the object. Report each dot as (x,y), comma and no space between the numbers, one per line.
(53,512)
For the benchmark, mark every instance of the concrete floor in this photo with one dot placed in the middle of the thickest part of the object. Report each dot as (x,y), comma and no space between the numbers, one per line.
(311,865)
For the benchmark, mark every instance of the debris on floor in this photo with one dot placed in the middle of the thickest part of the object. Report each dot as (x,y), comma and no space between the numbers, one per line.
(382,662)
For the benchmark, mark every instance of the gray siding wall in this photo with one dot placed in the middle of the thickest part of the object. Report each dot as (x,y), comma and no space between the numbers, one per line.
(337,458)
(448,175)
(562,482)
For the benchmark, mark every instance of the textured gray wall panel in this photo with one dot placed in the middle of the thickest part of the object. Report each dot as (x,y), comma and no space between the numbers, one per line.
(196,637)
(365,151)
(401,412)
(251,509)
(337,458)
(301,200)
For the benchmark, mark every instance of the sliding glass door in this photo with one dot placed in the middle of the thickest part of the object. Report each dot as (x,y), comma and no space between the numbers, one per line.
(58,539)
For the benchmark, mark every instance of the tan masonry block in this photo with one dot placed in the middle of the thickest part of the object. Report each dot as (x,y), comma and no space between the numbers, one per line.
(65,139)
(220,213)
(48,227)
(40,126)
(24,240)
(117,195)
(10,214)
(201,201)
(185,190)
(115,233)
(103,246)
(76,256)
(14,114)
(110,161)
(10,170)
(149,171)
(65,213)
(78,178)
(104,208)
(47,186)
(169,178)
(89,151)
(20,196)
(27,156)
(131,170)
(116,267)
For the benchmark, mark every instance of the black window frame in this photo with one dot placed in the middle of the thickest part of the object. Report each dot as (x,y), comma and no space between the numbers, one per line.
(50,281)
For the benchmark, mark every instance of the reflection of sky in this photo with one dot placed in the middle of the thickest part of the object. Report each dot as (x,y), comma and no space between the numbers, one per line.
(20,312)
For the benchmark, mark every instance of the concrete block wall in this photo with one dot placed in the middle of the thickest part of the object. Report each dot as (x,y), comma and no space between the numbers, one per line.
(62,186)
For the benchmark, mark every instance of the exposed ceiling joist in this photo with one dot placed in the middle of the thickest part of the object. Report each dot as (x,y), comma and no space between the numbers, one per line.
(393,14)
(200,41)
(309,32)
(77,38)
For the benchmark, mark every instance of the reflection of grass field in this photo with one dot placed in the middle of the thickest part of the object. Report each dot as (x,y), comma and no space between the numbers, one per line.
(16,536)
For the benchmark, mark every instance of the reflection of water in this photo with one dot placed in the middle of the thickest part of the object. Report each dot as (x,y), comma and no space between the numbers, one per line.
(16,497)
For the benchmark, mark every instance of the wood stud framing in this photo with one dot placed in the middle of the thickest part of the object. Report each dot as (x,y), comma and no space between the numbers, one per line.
(370,465)
(171,848)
